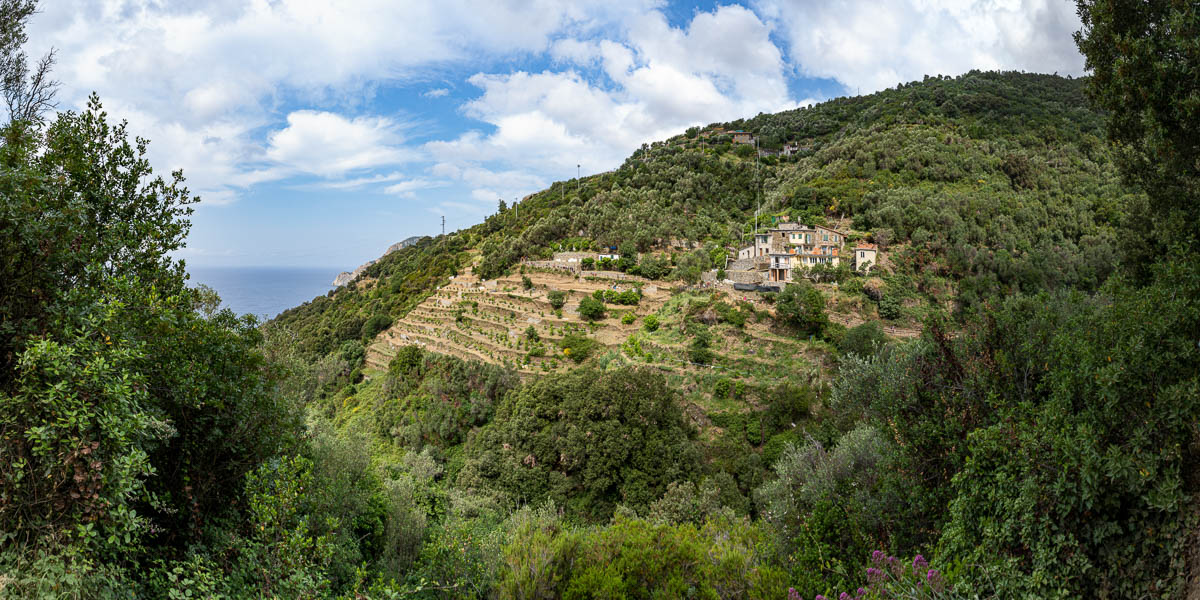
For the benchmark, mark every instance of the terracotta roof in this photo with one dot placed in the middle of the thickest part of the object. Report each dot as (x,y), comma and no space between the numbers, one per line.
(865,246)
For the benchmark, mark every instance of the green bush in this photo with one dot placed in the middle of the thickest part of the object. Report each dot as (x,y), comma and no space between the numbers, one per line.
(634,558)
(371,327)
(586,440)
(890,307)
(557,298)
(863,339)
(591,308)
(802,306)
(650,323)
(577,347)
(722,388)
(824,506)
(628,318)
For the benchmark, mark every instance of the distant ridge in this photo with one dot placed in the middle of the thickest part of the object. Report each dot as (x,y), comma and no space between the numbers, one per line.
(347,276)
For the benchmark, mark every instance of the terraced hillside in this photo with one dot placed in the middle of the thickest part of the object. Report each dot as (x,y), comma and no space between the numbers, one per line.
(488,320)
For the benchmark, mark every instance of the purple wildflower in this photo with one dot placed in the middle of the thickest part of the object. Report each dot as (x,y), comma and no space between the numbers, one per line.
(874,575)
(793,594)
(819,597)
(919,563)
(895,566)
(844,596)
(935,581)
(860,592)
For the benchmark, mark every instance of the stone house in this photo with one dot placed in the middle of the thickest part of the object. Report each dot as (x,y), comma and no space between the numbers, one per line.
(866,256)
(794,245)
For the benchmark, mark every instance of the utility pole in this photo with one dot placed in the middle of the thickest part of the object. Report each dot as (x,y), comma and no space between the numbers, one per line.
(577,179)
(443,224)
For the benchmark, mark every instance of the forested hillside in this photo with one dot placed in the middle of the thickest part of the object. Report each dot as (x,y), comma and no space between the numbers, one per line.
(1008,408)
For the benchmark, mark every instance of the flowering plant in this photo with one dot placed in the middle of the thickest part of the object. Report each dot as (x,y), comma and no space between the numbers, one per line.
(892,578)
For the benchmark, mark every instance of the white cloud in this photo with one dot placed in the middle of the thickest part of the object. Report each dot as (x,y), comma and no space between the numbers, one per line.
(436,93)
(875,44)
(661,80)
(407,188)
(203,80)
(330,145)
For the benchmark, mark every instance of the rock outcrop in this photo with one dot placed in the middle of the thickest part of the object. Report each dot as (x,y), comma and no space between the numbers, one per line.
(347,276)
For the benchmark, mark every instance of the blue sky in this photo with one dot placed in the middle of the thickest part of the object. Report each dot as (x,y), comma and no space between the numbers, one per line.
(318,133)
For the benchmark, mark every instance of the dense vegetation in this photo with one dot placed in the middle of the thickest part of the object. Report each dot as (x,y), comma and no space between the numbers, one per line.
(1038,439)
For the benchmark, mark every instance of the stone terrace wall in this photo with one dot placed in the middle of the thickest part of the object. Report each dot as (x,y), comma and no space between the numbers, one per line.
(565,267)
(745,276)
(578,256)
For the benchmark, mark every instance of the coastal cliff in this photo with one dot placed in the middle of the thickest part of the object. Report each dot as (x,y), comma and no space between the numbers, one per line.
(347,276)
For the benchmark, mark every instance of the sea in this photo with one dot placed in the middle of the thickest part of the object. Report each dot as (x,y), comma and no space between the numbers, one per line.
(264,291)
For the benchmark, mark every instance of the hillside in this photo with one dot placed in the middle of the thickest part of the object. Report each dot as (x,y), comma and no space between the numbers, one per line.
(973,188)
(941,342)
(584,352)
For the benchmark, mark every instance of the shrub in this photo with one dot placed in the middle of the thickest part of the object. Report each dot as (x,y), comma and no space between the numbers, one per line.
(526,282)
(823,505)
(531,334)
(722,388)
(635,558)
(889,577)
(628,318)
(557,299)
(374,325)
(650,323)
(802,306)
(698,349)
(588,264)
(591,309)
(862,339)
(890,307)
(577,347)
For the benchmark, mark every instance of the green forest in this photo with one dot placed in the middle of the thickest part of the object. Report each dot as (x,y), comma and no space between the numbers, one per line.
(1040,437)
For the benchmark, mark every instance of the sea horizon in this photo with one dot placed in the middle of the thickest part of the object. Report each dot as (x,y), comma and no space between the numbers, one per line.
(264,291)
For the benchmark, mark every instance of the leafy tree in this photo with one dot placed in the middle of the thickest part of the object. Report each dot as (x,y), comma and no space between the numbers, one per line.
(591,309)
(557,298)
(801,305)
(371,327)
(862,339)
(1145,72)
(531,334)
(586,440)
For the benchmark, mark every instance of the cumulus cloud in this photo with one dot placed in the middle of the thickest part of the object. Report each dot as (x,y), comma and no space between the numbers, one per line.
(248,93)
(330,145)
(658,80)
(204,80)
(875,44)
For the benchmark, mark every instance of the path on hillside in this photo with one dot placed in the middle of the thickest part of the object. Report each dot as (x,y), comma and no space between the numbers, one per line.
(854,321)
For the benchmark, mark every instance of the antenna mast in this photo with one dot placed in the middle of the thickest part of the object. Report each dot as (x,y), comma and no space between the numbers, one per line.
(443,224)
